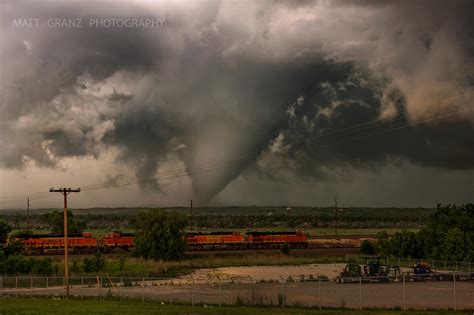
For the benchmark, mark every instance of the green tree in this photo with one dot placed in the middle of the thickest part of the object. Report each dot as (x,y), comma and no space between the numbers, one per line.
(383,245)
(367,248)
(448,234)
(455,246)
(160,235)
(438,232)
(14,247)
(42,267)
(5,229)
(95,264)
(285,249)
(55,220)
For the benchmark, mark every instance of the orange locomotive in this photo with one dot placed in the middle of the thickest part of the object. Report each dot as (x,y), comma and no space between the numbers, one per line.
(215,240)
(121,240)
(251,240)
(42,244)
(263,240)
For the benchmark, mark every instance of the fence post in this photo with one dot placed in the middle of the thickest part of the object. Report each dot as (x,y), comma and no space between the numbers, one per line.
(192,293)
(251,291)
(469,267)
(454,291)
(404,295)
(283,300)
(47,282)
(31,286)
(171,293)
(16,286)
(220,293)
(1,282)
(360,293)
(319,292)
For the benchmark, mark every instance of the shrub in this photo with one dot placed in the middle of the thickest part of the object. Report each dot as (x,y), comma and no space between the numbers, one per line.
(367,248)
(285,249)
(95,264)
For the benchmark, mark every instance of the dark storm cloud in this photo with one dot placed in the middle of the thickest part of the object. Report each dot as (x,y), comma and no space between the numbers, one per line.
(218,81)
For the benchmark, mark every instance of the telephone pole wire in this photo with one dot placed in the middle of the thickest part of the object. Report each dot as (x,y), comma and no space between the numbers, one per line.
(65,192)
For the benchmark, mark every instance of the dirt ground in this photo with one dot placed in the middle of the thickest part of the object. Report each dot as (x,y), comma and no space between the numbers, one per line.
(258,273)
(418,295)
(264,285)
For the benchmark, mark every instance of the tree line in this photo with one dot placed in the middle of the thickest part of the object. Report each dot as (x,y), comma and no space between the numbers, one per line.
(447,235)
(222,219)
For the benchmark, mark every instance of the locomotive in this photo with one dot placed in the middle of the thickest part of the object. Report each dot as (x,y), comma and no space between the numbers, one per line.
(264,240)
(215,240)
(46,243)
(226,240)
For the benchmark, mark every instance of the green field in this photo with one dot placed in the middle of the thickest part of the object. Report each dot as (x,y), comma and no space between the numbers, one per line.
(48,306)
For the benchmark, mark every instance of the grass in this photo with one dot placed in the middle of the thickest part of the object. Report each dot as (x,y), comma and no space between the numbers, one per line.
(137,267)
(48,306)
(188,265)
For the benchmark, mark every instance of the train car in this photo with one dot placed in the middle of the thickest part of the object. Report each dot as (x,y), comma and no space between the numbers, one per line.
(121,240)
(263,240)
(43,244)
(214,240)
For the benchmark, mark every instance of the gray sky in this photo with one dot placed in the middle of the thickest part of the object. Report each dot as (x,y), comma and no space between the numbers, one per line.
(237,103)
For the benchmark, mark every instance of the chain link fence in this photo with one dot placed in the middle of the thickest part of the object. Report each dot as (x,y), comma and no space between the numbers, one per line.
(354,293)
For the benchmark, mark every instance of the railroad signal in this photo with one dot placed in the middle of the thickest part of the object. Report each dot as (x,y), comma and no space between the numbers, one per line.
(65,192)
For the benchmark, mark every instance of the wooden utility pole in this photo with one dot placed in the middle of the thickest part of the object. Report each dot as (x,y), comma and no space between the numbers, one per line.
(336,210)
(28,214)
(65,192)
(191,216)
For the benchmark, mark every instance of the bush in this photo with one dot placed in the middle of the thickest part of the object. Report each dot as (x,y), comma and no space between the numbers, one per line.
(121,263)
(75,268)
(285,249)
(4,230)
(367,248)
(95,264)
(42,267)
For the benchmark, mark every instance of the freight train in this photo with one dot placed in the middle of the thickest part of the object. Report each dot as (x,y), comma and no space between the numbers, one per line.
(228,240)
